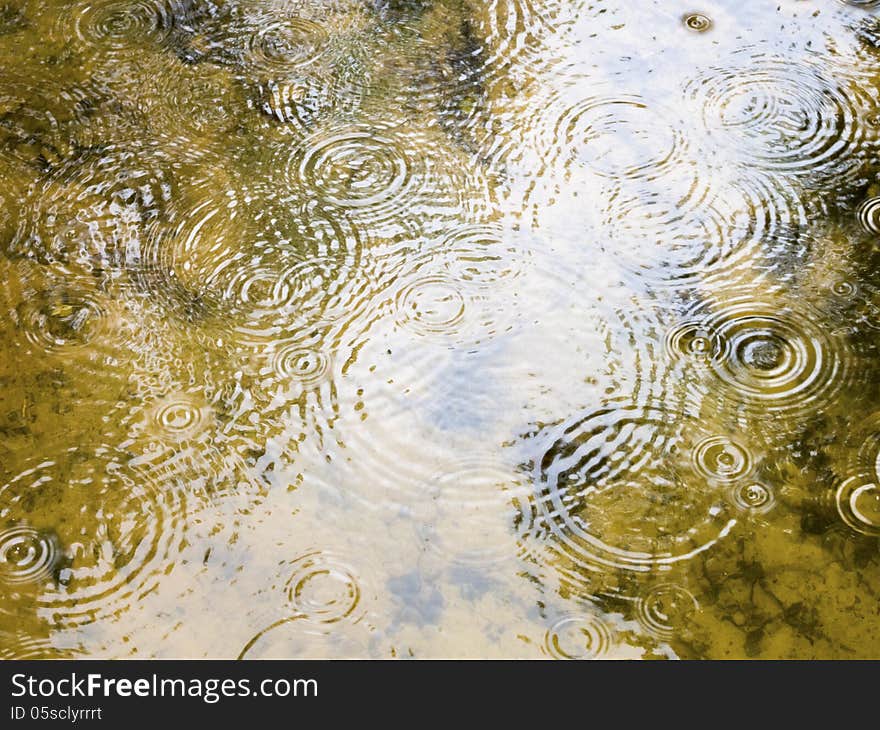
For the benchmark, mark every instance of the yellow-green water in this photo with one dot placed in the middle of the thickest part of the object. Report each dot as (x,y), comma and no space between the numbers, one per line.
(460,328)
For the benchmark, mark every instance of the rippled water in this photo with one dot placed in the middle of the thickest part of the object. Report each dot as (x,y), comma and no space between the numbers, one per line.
(420,328)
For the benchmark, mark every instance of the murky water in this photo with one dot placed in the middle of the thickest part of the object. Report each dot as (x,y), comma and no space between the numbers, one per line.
(418,328)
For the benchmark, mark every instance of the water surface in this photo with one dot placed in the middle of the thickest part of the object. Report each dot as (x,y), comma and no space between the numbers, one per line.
(439,328)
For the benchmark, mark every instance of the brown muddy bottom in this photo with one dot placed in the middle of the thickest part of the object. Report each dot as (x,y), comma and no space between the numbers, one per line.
(439,328)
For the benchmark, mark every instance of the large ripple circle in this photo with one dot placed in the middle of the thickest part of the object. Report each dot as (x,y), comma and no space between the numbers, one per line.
(616,488)
(765,356)
(118,24)
(367,171)
(119,527)
(858,504)
(781,116)
(584,636)
(284,43)
(614,136)
(777,361)
(26,555)
(322,587)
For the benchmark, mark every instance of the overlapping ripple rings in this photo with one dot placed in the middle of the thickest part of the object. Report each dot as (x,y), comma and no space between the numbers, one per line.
(615,136)
(65,318)
(262,42)
(283,44)
(265,269)
(753,497)
(722,459)
(322,588)
(513,31)
(685,227)
(419,328)
(783,117)
(295,361)
(125,536)
(193,105)
(367,172)
(474,501)
(34,127)
(55,321)
(92,208)
(600,479)
(665,210)
(461,291)
(579,637)
(116,25)
(181,416)
(764,356)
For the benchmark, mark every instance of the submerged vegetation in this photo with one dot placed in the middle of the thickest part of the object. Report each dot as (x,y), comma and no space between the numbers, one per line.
(388,328)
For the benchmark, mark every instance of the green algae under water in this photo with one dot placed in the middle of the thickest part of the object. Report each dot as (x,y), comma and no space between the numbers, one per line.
(439,328)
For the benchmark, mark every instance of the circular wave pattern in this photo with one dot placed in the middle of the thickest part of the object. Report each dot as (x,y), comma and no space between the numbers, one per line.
(480,255)
(180,437)
(617,137)
(770,357)
(181,418)
(263,270)
(513,30)
(120,529)
(60,320)
(868,215)
(394,182)
(474,502)
(301,102)
(450,312)
(579,637)
(26,555)
(665,239)
(844,289)
(858,504)
(307,366)
(690,226)
(461,291)
(36,116)
(121,24)
(322,588)
(431,305)
(278,45)
(775,362)
(693,342)
(193,104)
(615,489)
(665,610)
(361,170)
(66,317)
(697,22)
(753,497)
(721,459)
(786,117)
